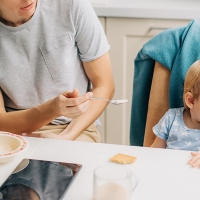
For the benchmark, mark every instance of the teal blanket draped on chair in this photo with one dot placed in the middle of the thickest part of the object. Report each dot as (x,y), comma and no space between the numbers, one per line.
(176,49)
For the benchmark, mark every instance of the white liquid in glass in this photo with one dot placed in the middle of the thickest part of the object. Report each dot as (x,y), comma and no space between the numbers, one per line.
(111,191)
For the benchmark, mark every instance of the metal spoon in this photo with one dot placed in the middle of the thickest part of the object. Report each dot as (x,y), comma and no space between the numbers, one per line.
(115,102)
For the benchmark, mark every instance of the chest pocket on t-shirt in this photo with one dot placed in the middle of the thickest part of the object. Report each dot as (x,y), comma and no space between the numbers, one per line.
(58,56)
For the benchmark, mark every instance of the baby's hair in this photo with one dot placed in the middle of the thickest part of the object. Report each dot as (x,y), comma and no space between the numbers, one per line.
(192,81)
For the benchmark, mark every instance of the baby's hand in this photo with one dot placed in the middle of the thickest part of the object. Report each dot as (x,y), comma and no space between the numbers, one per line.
(195,160)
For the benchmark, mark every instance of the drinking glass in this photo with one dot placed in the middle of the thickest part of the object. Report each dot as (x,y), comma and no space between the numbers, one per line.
(112,182)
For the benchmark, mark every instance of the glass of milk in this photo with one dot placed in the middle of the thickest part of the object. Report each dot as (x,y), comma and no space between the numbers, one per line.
(112,182)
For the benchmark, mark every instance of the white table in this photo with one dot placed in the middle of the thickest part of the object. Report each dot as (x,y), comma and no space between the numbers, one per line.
(7,168)
(163,174)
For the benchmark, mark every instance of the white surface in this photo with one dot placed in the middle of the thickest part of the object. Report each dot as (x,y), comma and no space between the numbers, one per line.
(7,168)
(162,9)
(163,174)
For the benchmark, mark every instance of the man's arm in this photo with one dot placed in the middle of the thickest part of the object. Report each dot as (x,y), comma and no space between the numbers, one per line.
(99,72)
(27,121)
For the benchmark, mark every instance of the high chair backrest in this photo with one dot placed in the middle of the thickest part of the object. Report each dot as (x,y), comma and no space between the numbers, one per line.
(159,72)
(158,101)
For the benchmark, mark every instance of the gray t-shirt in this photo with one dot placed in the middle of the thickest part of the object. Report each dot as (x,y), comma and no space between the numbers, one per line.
(42,58)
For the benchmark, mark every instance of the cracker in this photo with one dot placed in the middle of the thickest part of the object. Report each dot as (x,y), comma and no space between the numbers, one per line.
(123,159)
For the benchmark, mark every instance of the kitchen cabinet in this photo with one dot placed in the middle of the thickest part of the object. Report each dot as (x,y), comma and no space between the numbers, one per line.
(126,37)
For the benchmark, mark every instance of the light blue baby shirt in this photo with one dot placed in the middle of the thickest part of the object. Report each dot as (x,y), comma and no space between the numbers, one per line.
(172,128)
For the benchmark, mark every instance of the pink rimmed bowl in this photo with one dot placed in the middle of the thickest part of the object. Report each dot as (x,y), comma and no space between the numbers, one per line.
(11,145)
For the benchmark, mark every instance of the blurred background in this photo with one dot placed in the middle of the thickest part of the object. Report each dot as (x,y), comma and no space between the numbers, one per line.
(128,25)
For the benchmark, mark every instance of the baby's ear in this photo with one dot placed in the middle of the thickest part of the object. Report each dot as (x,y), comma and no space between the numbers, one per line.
(189,99)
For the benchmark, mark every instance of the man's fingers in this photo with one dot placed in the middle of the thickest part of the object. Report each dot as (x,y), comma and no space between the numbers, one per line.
(76,111)
(31,134)
(76,101)
(73,94)
(72,107)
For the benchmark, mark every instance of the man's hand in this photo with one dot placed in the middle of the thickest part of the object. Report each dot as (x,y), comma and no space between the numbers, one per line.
(71,105)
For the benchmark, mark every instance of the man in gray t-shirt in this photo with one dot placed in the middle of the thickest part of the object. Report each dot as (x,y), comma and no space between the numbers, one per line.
(51,52)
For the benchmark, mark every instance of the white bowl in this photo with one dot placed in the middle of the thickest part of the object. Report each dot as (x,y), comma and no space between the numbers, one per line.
(11,145)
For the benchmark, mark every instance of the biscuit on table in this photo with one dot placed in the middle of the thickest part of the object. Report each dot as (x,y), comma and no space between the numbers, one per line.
(123,159)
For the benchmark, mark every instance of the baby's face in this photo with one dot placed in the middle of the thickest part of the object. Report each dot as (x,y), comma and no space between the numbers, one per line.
(195,111)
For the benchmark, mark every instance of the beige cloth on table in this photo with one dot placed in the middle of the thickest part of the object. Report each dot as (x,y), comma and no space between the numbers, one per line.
(91,134)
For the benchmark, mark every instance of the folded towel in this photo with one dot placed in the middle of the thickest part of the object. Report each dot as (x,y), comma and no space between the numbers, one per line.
(176,49)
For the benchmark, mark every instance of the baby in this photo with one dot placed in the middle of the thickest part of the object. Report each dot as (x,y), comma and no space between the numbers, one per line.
(179,128)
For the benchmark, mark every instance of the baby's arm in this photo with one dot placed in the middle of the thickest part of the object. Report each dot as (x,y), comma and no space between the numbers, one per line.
(195,160)
(162,129)
(159,143)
